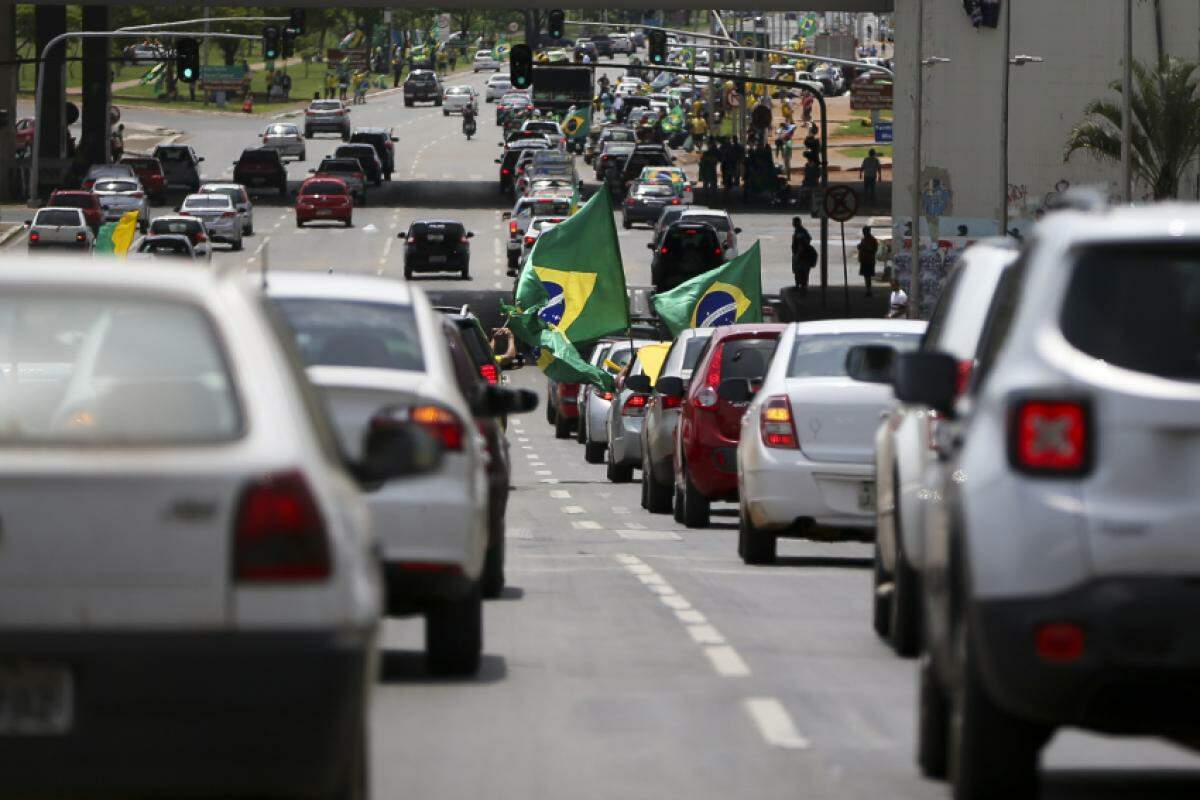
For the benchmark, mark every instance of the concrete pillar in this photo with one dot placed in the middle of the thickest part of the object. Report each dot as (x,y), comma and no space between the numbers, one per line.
(8,99)
(97,92)
(50,21)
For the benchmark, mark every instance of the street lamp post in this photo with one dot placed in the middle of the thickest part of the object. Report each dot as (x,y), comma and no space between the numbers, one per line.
(1008,61)
(1127,109)
(914,289)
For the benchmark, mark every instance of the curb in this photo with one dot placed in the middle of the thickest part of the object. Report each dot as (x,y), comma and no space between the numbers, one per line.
(11,234)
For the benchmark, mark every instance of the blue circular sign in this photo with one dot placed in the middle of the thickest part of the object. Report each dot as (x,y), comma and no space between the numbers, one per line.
(716,308)
(552,314)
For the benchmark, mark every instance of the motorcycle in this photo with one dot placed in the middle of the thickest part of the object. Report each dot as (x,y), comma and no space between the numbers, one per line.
(469,127)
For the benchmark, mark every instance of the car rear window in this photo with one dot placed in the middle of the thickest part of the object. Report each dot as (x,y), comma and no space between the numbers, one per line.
(326,105)
(270,156)
(164,247)
(324,187)
(183,227)
(351,333)
(172,154)
(747,358)
(116,186)
(458,90)
(691,239)
(111,371)
(824,355)
(1137,307)
(208,201)
(721,223)
(656,190)
(231,192)
(282,130)
(444,229)
(55,217)
(143,164)
(72,200)
(340,165)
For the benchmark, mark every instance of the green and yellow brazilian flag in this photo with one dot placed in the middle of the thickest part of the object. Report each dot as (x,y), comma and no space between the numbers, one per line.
(729,294)
(578,124)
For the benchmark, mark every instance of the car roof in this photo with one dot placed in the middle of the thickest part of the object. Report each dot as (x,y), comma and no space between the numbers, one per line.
(340,286)
(63,272)
(869,325)
(726,331)
(220,185)
(73,192)
(195,195)
(72,209)
(175,218)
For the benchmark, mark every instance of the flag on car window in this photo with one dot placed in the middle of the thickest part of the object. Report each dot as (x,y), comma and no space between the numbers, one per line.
(574,276)
(578,123)
(552,352)
(729,294)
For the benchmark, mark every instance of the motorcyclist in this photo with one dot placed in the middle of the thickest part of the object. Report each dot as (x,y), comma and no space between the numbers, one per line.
(468,120)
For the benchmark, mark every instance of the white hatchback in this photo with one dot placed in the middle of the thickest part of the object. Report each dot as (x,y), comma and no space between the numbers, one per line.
(188,573)
(497,86)
(485,59)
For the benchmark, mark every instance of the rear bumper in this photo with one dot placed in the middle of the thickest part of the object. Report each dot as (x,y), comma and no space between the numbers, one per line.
(195,714)
(642,213)
(712,467)
(1140,668)
(312,215)
(335,125)
(627,442)
(422,262)
(782,488)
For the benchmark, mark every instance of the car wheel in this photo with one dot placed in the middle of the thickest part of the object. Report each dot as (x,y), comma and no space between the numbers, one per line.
(350,222)
(465,274)
(248,230)
(355,782)
(626,224)
(236,245)
(303,156)
(993,755)
(933,722)
(408,103)
(445,113)
(904,617)
(283,189)
(695,505)
(387,177)
(493,570)
(658,497)
(617,473)
(307,133)
(454,635)
(677,505)
(408,274)
(881,597)
(593,452)
(581,434)
(563,427)
(299,224)
(754,545)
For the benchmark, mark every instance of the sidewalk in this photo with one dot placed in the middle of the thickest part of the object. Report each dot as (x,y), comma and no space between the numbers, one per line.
(119,85)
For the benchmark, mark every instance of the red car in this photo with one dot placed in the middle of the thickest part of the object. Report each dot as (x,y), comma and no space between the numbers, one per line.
(25,130)
(707,437)
(150,172)
(324,198)
(88,202)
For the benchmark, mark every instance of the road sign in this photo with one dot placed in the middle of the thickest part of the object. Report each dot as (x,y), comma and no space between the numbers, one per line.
(871,93)
(883,133)
(219,77)
(841,203)
(355,57)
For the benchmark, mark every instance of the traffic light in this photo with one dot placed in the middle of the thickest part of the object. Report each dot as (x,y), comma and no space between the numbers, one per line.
(289,42)
(555,22)
(658,47)
(296,23)
(270,41)
(520,63)
(187,60)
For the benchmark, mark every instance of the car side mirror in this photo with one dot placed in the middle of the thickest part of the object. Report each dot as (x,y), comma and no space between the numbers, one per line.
(395,138)
(735,390)
(506,215)
(927,379)
(28,222)
(198,160)
(737,230)
(178,209)
(650,246)
(498,161)
(871,363)
(313,171)
(638,383)
(500,401)
(670,386)
(395,447)
(470,234)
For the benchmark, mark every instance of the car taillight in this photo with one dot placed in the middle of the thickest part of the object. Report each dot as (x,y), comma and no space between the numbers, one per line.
(629,201)
(669,401)
(529,240)
(604,395)
(513,228)
(490,373)
(359,175)
(278,534)
(463,239)
(441,423)
(662,250)
(635,406)
(718,251)
(1050,437)
(568,390)
(674,201)
(504,171)
(81,237)
(137,195)
(35,237)
(965,367)
(88,184)
(776,425)
(412,240)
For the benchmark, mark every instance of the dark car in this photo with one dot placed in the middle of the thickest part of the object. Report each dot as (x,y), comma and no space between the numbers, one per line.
(384,143)
(612,153)
(669,216)
(687,249)
(437,246)
(645,203)
(180,165)
(644,155)
(367,157)
(422,85)
(511,102)
(88,202)
(348,170)
(603,44)
(585,47)
(261,168)
(508,162)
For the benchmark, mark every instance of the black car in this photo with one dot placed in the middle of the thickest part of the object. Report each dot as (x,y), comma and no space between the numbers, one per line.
(508,163)
(603,44)
(437,245)
(260,168)
(366,156)
(384,143)
(644,155)
(422,85)
(686,250)
(584,47)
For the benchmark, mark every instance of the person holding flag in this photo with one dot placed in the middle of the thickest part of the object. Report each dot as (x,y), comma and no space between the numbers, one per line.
(576,126)
(729,294)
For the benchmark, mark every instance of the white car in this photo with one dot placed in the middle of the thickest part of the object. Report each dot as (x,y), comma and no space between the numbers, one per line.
(457,98)
(537,226)
(621,43)
(497,86)
(907,462)
(219,215)
(185,556)
(551,129)
(805,457)
(59,227)
(287,138)
(369,342)
(485,59)
(1060,565)
(721,222)
(119,196)
(241,200)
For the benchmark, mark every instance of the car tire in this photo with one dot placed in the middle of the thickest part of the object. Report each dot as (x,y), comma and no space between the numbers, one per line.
(248,230)
(303,156)
(307,133)
(563,427)
(755,546)
(445,113)
(236,245)
(438,103)
(350,222)
(696,507)
(283,189)
(593,452)
(299,224)
(904,615)
(551,412)
(355,781)
(881,599)
(408,274)
(581,434)
(658,497)
(493,570)
(677,505)
(626,224)
(617,473)
(465,275)
(933,722)
(454,634)
(408,103)
(992,755)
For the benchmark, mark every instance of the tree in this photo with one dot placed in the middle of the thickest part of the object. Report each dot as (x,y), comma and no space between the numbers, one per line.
(1165,129)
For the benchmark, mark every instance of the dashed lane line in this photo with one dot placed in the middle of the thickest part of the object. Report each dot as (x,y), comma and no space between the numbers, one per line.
(573,510)
(726,661)
(586,525)
(560,494)
(774,723)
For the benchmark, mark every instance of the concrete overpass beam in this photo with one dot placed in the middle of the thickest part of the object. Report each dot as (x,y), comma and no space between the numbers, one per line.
(97,88)
(50,21)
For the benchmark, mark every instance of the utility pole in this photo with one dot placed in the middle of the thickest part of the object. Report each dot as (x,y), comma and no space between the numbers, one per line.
(914,290)
(1127,109)
(1006,47)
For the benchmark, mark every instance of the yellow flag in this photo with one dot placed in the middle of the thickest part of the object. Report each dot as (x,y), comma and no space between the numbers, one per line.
(124,232)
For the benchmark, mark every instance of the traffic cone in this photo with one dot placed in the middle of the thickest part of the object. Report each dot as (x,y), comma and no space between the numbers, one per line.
(248,105)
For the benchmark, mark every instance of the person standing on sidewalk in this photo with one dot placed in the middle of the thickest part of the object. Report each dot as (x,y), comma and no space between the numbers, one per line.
(869,172)
(397,69)
(868,248)
(708,169)
(804,255)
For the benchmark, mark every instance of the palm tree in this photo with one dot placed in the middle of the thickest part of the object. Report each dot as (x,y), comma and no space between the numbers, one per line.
(1166,125)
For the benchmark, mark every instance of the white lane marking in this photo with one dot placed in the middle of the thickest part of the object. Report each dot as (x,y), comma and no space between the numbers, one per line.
(675,601)
(518,533)
(284,215)
(560,494)
(652,578)
(496,248)
(627,559)
(640,568)
(665,589)
(544,472)
(774,723)
(649,536)
(527,446)
(258,250)
(620,510)
(637,526)
(522,438)
(705,634)
(498,285)
(726,661)
(532,455)
(586,525)
(387,248)
(690,616)
(537,463)
(549,480)
(572,510)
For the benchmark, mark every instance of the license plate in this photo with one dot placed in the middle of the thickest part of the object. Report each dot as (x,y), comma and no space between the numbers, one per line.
(437,259)
(434,237)
(866,496)
(324,212)
(35,699)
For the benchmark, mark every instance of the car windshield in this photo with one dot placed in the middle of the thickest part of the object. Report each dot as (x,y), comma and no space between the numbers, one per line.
(107,370)
(207,201)
(350,333)
(824,355)
(52,216)
(116,186)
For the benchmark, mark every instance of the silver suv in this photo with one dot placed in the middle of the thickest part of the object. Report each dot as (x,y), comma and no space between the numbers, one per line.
(1060,577)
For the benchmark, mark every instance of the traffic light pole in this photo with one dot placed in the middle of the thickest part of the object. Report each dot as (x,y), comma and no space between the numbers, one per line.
(35,161)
